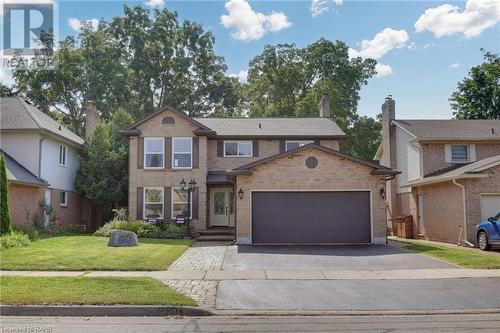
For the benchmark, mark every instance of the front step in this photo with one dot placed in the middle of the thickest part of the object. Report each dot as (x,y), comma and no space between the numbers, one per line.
(215,238)
(222,231)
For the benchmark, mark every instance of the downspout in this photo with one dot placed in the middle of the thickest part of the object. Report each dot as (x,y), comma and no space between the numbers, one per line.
(464,227)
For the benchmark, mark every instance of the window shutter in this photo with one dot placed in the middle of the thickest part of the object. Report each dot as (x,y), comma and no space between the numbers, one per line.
(168,153)
(140,202)
(255,148)
(194,203)
(196,153)
(167,203)
(282,146)
(447,153)
(220,148)
(140,153)
(472,153)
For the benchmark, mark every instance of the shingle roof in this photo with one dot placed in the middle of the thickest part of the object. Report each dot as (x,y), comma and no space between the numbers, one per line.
(377,168)
(284,127)
(17,114)
(434,129)
(17,173)
(472,170)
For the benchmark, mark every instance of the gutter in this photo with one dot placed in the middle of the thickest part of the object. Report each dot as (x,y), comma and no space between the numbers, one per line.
(464,227)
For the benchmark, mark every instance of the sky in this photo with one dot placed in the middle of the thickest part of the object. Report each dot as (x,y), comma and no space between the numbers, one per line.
(424,48)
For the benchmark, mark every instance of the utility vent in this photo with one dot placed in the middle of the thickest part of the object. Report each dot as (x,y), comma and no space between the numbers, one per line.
(168,121)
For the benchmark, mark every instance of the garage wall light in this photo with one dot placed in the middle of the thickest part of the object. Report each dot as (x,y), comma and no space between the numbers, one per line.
(240,193)
(382,192)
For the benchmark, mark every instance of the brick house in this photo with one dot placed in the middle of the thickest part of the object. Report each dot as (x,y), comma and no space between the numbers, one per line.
(42,161)
(450,173)
(267,180)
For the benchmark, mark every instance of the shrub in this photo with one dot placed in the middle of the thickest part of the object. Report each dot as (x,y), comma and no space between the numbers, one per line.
(31,232)
(14,239)
(5,222)
(146,230)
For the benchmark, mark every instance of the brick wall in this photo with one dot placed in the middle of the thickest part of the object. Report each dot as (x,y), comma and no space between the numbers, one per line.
(73,212)
(291,173)
(433,155)
(171,178)
(24,203)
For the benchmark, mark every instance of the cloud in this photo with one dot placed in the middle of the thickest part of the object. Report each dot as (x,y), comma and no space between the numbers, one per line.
(248,24)
(455,65)
(383,42)
(155,3)
(319,7)
(383,70)
(446,19)
(241,75)
(77,24)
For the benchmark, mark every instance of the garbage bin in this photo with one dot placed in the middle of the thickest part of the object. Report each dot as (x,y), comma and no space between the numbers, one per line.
(404,226)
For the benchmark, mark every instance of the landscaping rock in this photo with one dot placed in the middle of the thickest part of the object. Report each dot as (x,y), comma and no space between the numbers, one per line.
(123,238)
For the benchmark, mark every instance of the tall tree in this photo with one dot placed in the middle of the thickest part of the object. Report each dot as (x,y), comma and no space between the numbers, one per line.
(137,62)
(103,173)
(365,137)
(478,95)
(5,222)
(288,81)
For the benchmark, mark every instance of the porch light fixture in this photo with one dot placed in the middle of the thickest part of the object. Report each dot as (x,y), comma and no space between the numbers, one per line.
(189,188)
(240,193)
(382,193)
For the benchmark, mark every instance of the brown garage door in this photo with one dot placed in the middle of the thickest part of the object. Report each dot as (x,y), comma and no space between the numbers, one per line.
(311,217)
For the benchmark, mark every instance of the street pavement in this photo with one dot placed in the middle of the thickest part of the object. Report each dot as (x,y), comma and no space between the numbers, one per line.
(483,323)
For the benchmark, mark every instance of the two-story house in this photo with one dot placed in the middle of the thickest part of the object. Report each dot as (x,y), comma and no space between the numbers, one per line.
(42,163)
(450,173)
(275,180)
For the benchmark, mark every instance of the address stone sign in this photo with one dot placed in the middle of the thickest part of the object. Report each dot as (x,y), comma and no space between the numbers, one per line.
(124,238)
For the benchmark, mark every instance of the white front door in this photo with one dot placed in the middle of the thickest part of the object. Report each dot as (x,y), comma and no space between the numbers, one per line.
(221,207)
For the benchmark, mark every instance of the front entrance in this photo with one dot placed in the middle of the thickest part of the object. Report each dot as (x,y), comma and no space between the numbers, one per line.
(221,207)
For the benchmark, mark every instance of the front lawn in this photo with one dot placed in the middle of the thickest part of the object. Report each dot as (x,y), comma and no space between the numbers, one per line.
(458,256)
(88,290)
(77,253)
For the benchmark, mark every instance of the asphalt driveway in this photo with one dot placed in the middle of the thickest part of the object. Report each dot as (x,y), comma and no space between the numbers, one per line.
(332,258)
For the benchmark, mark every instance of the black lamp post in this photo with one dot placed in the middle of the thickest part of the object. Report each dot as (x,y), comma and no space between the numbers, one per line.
(189,188)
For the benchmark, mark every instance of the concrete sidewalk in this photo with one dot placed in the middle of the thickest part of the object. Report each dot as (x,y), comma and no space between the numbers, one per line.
(220,275)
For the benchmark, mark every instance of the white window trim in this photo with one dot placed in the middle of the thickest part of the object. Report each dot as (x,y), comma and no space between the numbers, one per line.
(466,149)
(65,160)
(162,152)
(182,152)
(238,148)
(65,203)
(181,202)
(300,142)
(162,216)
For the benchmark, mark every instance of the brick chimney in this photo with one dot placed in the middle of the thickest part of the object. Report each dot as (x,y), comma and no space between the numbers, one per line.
(91,118)
(324,107)
(388,140)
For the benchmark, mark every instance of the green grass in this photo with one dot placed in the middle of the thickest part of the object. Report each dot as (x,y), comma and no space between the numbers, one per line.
(88,290)
(81,253)
(457,256)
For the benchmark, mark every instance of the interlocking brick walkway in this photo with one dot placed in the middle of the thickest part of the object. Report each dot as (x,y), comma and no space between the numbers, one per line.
(202,256)
(204,292)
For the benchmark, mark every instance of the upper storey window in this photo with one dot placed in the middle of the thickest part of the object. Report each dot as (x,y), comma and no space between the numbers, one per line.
(154,151)
(238,149)
(62,155)
(296,144)
(459,153)
(182,153)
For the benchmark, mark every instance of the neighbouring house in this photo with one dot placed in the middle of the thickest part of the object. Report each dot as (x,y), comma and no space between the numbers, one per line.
(267,180)
(450,173)
(41,164)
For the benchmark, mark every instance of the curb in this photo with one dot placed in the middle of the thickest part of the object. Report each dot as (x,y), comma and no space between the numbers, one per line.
(353,312)
(102,310)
